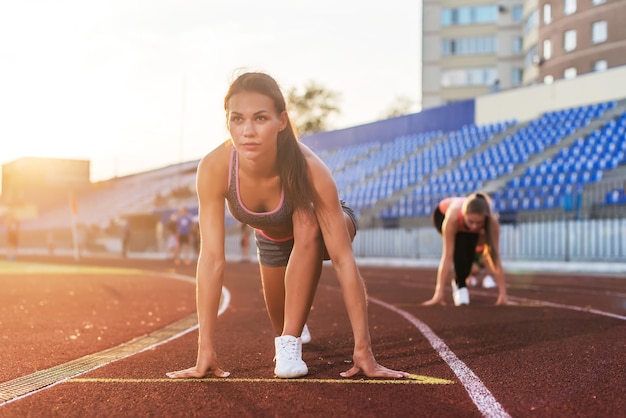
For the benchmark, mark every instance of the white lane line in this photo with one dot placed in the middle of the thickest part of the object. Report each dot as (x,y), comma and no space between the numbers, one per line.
(590,292)
(521,300)
(478,392)
(570,307)
(537,302)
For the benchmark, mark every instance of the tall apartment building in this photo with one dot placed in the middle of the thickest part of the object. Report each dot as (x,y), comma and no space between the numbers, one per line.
(577,37)
(471,47)
(530,40)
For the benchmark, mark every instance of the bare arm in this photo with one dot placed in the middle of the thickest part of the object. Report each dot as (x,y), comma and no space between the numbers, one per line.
(498,270)
(211,263)
(338,243)
(448,231)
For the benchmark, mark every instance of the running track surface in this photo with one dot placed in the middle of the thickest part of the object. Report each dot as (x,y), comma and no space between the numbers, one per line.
(95,339)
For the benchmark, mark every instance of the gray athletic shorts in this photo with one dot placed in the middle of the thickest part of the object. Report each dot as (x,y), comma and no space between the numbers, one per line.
(276,253)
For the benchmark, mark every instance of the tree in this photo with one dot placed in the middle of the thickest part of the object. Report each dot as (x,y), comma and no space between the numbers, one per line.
(401,106)
(309,110)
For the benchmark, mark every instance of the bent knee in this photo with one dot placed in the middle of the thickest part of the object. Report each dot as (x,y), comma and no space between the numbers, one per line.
(307,233)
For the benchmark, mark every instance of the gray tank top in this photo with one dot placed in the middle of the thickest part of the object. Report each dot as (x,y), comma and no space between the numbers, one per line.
(259,220)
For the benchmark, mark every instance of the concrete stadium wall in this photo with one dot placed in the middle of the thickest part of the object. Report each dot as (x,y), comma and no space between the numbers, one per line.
(527,103)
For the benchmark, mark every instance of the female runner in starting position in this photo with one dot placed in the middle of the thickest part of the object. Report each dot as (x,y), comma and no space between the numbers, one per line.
(465,223)
(278,186)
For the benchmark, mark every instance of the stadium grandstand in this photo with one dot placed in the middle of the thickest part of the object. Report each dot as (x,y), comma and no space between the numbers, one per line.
(553,158)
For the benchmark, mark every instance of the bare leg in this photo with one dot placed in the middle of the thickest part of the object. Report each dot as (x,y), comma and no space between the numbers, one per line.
(301,282)
(273,279)
(289,291)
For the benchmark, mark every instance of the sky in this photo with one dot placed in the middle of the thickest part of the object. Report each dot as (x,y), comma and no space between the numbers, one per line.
(134,85)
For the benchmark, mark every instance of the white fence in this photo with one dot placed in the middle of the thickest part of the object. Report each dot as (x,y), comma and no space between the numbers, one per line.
(568,240)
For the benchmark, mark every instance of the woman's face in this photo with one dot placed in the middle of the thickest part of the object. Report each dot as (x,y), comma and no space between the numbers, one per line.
(254,124)
(474,221)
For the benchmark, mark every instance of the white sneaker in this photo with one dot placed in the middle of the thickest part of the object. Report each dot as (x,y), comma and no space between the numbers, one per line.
(288,357)
(488,282)
(472,281)
(306,335)
(460,296)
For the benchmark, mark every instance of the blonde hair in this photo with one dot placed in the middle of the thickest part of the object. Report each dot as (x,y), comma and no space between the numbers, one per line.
(479,203)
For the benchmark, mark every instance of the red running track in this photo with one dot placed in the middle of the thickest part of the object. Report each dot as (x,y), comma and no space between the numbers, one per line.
(558,352)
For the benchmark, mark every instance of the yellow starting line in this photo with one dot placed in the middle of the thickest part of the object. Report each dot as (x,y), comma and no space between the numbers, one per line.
(413,379)
(19,267)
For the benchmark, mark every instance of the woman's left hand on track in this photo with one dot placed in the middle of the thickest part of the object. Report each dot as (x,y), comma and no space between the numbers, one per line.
(366,363)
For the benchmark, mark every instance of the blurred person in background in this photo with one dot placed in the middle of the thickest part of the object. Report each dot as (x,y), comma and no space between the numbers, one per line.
(465,223)
(158,235)
(195,236)
(274,183)
(13,236)
(184,226)
(171,243)
(125,238)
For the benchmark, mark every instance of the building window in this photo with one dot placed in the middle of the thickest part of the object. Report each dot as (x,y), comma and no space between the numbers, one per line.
(530,57)
(547,49)
(600,65)
(547,14)
(469,15)
(599,32)
(569,40)
(569,73)
(517,13)
(518,45)
(532,21)
(518,76)
(479,45)
(460,77)
(569,7)
(548,79)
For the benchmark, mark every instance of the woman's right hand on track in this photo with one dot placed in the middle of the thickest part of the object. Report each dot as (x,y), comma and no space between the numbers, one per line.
(434,301)
(205,365)
(196,373)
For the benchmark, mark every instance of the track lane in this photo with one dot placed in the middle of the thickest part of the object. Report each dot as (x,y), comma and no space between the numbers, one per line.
(533,359)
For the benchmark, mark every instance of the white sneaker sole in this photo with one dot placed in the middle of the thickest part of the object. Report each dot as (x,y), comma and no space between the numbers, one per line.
(461,296)
(489,283)
(289,369)
(306,335)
